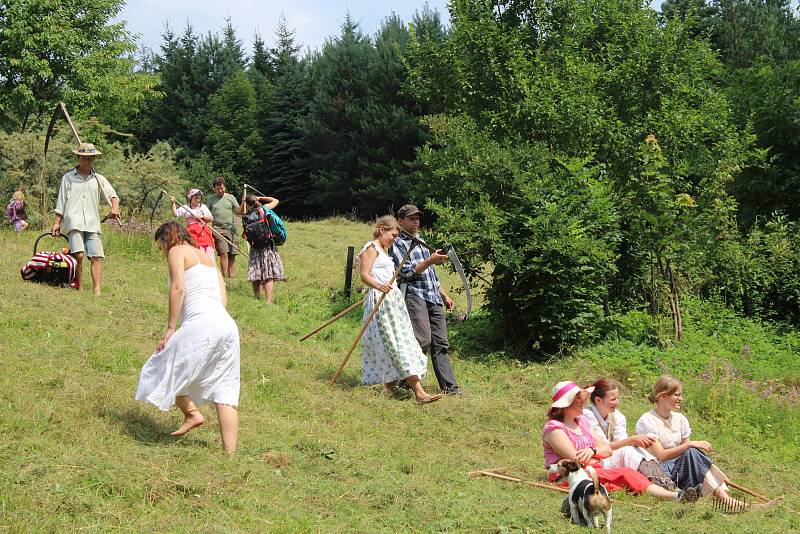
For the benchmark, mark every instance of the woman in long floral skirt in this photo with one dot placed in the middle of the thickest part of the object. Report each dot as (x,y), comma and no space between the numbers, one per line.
(389,351)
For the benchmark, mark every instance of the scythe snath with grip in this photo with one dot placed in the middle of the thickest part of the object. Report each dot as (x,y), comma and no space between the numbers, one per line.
(368,319)
(210,227)
(61,109)
(451,254)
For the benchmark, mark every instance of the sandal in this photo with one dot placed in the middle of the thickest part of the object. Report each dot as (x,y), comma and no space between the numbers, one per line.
(688,495)
(429,399)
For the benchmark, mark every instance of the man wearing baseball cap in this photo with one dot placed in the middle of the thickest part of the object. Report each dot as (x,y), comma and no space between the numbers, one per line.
(426,299)
(78,212)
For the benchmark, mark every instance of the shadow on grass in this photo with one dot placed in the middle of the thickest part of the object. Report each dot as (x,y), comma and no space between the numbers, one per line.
(144,428)
(346,380)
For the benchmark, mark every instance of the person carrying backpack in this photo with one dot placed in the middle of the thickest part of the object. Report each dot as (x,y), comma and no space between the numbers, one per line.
(264,265)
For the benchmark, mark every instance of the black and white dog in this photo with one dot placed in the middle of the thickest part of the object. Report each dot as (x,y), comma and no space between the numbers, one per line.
(588,499)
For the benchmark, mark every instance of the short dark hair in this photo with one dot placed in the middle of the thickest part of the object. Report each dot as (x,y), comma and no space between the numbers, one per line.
(219,180)
(407,211)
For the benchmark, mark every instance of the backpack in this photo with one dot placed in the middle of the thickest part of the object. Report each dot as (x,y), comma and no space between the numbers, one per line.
(263,226)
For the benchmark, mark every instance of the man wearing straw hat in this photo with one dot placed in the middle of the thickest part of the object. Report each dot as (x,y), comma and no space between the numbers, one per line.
(78,212)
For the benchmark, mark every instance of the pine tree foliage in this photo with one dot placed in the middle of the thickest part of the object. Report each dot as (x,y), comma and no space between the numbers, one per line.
(360,138)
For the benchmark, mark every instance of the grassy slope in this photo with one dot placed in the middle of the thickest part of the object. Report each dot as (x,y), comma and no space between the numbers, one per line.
(77,452)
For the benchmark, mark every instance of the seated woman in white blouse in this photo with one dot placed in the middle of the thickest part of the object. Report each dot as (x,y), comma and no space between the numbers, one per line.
(685,460)
(609,423)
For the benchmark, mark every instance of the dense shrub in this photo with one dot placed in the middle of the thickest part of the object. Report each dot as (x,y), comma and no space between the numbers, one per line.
(545,227)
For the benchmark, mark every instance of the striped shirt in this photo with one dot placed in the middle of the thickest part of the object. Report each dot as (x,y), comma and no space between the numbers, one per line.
(424,285)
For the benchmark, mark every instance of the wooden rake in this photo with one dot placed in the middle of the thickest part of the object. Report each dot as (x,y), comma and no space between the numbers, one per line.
(500,474)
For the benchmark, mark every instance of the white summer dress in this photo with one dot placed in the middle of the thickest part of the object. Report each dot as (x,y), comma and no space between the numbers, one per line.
(201,359)
(389,350)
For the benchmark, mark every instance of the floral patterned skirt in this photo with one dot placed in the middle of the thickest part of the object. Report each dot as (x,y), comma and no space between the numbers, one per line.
(265,264)
(389,350)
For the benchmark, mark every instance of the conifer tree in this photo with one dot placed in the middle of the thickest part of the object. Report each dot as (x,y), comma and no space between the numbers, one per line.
(283,173)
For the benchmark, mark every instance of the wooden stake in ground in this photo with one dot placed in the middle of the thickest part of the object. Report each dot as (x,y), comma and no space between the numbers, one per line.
(371,315)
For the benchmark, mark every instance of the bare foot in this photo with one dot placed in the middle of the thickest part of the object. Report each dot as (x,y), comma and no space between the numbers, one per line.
(191,420)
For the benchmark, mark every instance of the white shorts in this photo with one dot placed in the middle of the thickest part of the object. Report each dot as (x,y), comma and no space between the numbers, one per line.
(88,242)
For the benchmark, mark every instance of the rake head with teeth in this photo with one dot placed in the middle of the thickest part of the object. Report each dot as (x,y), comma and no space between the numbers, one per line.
(730,506)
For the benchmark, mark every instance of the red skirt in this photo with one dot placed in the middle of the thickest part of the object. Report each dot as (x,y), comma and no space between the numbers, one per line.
(201,234)
(616,478)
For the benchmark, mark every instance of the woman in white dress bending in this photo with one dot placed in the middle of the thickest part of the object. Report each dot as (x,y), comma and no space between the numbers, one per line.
(198,362)
(389,350)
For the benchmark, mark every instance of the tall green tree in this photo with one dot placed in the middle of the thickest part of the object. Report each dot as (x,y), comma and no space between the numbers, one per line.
(232,138)
(359,133)
(282,109)
(191,69)
(592,79)
(72,51)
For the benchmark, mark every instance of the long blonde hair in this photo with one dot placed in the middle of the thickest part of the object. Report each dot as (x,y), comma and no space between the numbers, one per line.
(664,385)
(387,222)
(18,196)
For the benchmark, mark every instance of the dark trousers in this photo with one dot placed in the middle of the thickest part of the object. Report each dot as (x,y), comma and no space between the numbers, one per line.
(430,329)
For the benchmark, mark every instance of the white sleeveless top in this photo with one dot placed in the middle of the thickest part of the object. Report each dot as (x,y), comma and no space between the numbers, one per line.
(383,268)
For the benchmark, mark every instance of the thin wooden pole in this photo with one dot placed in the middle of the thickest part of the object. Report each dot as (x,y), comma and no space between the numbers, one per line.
(746,490)
(550,487)
(497,473)
(371,315)
(333,319)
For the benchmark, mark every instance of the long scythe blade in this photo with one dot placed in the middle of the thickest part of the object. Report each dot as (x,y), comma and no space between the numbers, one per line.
(153,212)
(50,129)
(451,253)
(69,121)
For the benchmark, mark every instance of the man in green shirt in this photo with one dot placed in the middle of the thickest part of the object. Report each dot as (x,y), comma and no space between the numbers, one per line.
(224,208)
(78,212)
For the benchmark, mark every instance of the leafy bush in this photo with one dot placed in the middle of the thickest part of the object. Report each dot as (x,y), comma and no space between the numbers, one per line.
(547,227)
(137,178)
(760,275)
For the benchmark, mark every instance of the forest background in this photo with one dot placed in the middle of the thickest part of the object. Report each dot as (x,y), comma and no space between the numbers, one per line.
(594,162)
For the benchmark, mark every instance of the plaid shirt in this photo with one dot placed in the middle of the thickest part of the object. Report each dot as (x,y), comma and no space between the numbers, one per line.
(425,285)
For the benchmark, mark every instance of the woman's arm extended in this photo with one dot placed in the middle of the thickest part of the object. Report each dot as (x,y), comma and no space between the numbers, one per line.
(663,454)
(223,294)
(637,440)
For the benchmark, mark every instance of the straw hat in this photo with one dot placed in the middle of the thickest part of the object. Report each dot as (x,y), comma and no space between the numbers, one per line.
(86,149)
(565,392)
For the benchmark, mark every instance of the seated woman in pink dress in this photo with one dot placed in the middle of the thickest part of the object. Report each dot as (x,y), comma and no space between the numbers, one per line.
(566,435)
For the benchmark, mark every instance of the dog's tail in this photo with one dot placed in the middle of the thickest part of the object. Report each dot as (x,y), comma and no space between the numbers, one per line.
(592,473)
(599,499)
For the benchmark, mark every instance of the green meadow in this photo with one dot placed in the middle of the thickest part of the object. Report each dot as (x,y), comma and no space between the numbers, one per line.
(77,453)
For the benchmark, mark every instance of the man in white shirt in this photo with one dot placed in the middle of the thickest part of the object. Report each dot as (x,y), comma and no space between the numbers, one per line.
(78,212)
